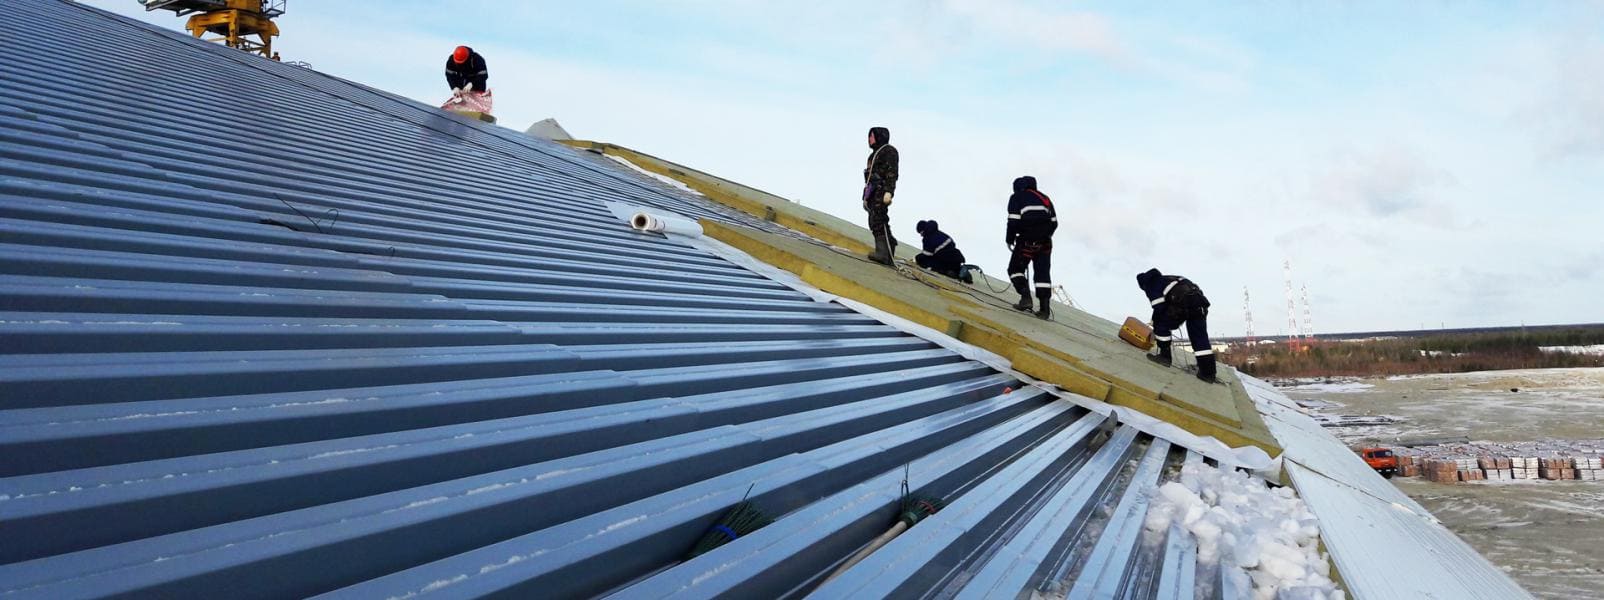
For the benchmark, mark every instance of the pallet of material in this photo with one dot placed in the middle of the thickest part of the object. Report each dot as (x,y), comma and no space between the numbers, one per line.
(1441,471)
(1590,474)
(1497,474)
(1522,473)
(1472,475)
(1491,462)
(1593,462)
(1409,470)
(1556,474)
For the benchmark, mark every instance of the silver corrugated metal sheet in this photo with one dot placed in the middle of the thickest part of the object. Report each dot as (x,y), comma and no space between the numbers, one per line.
(272,334)
(1384,543)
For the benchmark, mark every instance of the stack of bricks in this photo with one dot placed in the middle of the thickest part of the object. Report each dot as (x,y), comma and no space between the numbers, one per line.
(1408,466)
(1524,467)
(1469,469)
(1589,468)
(1496,468)
(1472,475)
(1441,470)
(1554,469)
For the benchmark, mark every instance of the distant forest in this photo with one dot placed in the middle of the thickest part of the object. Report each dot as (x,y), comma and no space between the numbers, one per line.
(1422,352)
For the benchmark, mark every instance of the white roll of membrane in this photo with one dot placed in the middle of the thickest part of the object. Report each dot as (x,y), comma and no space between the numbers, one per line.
(644,221)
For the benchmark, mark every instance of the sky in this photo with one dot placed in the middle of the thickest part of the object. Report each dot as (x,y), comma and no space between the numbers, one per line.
(1421,165)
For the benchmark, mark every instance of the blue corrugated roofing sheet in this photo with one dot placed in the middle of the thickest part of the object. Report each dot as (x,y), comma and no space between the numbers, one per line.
(268,333)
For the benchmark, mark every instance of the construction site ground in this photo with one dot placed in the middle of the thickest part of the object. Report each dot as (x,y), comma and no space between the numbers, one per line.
(1549,535)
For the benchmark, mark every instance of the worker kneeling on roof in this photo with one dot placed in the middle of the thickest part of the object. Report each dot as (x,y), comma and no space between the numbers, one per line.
(466,71)
(1177,300)
(940,253)
(1031,223)
(879,184)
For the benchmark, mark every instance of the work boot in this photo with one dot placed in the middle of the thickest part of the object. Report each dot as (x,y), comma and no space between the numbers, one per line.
(1205,369)
(882,251)
(1024,303)
(1162,358)
(1045,312)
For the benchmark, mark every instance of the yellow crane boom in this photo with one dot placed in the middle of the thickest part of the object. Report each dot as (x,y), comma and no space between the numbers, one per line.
(234,21)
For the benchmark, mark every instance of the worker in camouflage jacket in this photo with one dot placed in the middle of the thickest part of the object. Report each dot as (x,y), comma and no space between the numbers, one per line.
(1177,300)
(879,185)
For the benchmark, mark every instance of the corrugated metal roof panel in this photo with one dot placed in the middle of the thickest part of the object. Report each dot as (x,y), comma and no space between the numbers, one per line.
(342,338)
(1384,543)
(268,333)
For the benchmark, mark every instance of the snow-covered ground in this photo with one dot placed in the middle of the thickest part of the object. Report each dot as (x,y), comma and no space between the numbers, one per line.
(1499,406)
(1549,535)
(1322,385)
(1266,538)
(1593,350)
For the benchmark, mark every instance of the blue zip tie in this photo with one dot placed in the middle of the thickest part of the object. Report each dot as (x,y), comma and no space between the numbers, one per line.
(726,531)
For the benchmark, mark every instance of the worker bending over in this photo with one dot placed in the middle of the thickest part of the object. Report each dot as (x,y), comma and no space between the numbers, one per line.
(1031,223)
(466,72)
(1177,300)
(940,253)
(879,184)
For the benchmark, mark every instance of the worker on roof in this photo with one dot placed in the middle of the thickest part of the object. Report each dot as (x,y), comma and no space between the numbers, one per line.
(940,253)
(466,72)
(879,185)
(1177,300)
(1031,223)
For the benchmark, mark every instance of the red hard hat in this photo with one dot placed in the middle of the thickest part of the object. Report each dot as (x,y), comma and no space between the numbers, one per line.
(460,55)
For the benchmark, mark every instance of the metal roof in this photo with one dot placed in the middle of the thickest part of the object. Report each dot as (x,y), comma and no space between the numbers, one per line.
(269,333)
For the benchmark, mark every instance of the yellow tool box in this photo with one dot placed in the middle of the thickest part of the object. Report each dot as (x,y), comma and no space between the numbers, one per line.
(1136,333)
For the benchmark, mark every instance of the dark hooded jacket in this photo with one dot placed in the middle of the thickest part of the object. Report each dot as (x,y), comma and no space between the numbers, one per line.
(938,246)
(472,71)
(1031,216)
(880,171)
(1174,298)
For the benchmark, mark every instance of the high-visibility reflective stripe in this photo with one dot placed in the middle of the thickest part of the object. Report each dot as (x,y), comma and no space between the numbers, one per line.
(1016,275)
(1162,338)
(1044,285)
(1156,302)
(1031,208)
(924,254)
(1209,352)
(481,73)
(1013,216)
(1167,288)
(943,245)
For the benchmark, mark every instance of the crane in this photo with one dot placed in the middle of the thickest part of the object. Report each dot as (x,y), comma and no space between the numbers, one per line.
(234,20)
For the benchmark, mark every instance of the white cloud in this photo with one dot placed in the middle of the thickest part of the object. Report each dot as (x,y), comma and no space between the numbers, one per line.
(1385,181)
(1573,107)
(1046,28)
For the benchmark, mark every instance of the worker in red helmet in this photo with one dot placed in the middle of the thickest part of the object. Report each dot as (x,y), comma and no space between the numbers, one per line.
(466,72)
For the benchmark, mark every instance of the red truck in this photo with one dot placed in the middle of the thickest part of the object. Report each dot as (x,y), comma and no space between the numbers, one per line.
(1382,460)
